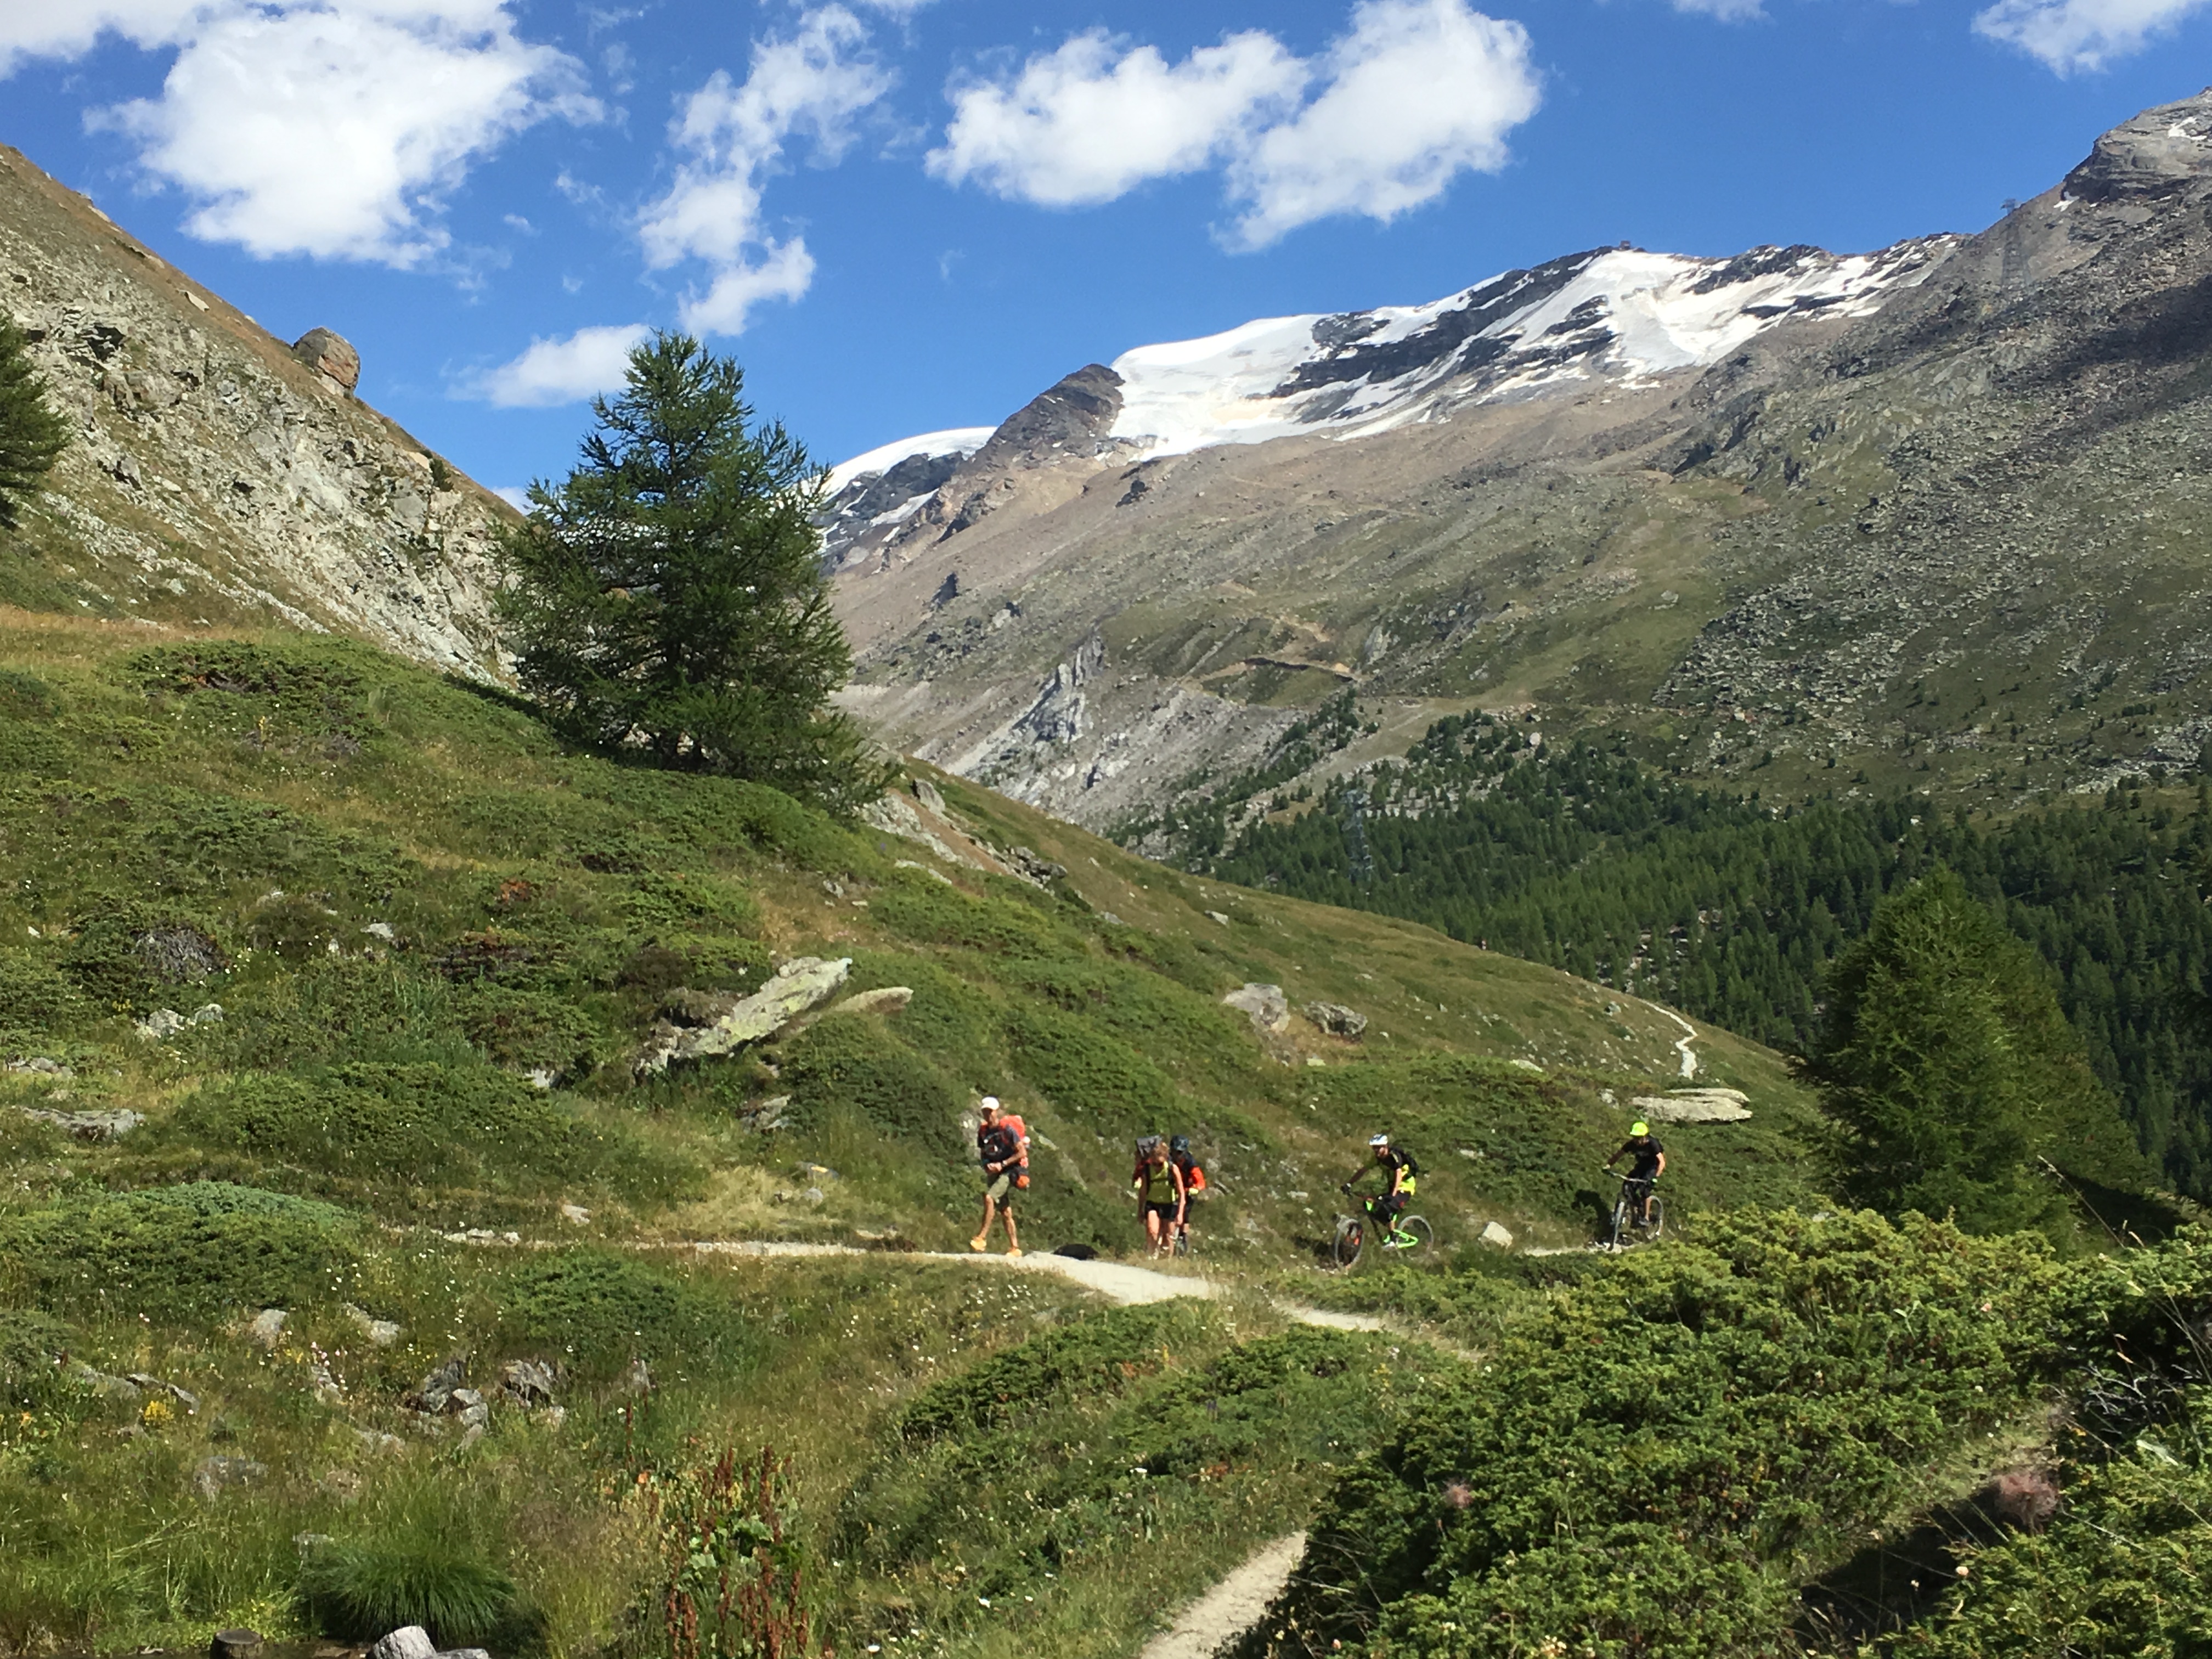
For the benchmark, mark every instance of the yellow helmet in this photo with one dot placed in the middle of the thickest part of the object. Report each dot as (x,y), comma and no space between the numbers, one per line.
(1639,1127)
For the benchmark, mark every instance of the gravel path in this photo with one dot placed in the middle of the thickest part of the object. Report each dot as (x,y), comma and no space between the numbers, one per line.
(1118,1280)
(1231,1607)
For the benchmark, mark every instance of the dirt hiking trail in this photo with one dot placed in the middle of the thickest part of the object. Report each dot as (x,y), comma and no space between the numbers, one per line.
(1231,1607)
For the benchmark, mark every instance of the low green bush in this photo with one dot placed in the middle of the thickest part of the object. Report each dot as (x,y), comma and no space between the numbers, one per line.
(1087,1360)
(424,1124)
(1655,1463)
(531,1031)
(599,1310)
(864,1065)
(35,996)
(191,1251)
(1088,1073)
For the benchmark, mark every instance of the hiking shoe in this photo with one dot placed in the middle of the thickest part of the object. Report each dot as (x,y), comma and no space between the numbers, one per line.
(977,1244)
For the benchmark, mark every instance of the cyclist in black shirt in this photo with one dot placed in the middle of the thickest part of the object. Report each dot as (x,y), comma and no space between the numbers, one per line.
(1650,1162)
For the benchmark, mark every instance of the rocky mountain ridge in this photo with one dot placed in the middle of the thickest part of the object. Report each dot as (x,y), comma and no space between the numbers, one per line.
(1927,517)
(217,474)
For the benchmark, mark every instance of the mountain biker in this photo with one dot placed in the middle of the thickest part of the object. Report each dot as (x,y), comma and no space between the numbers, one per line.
(1002,1146)
(1193,1181)
(1404,1172)
(1650,1162)
(1163,1200)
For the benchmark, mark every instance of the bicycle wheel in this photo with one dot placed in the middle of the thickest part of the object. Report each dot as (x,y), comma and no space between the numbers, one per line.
(1423,1237)
(1621,1215)
(1657,1222)
(1351,1235)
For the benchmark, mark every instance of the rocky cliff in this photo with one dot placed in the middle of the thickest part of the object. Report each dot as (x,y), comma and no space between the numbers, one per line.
(216,473)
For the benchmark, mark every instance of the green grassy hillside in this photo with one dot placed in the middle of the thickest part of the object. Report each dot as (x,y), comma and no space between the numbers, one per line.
(247,1257)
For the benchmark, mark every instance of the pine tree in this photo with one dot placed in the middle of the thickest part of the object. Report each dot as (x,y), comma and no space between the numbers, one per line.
(1946,1058)
(32,436)
(667,600)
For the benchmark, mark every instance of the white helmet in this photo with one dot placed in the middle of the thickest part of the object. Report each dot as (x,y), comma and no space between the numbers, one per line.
(1378,1140)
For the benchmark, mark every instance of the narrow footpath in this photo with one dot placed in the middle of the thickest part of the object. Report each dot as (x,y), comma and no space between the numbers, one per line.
(1231,1607)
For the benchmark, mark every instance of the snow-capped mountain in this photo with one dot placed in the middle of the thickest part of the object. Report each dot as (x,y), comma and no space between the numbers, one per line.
(1617,314)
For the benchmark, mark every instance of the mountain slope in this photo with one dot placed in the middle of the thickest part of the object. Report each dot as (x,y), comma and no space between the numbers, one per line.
(215,474)
(1777,512)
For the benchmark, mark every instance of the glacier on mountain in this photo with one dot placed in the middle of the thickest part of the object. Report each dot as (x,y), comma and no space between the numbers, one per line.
(1606,316)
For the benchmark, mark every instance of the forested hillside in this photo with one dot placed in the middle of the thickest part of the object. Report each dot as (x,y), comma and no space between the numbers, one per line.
(1729,907)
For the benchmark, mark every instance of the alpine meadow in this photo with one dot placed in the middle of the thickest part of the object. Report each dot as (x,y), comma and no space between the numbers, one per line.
(1576,920)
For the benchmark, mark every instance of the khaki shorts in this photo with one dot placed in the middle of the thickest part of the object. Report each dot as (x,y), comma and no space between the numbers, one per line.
(1001,1185)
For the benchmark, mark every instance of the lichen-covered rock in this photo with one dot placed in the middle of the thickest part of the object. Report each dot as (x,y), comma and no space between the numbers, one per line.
(1693,1106)
(798,985)
(1337,1020)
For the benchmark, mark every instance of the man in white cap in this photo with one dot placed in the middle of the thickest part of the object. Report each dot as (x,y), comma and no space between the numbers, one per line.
(1002,1142)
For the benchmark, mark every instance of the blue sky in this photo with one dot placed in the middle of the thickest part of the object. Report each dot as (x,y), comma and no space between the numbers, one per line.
(902,215)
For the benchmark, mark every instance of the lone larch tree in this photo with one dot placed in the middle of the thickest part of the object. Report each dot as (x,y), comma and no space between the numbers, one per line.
(667,600)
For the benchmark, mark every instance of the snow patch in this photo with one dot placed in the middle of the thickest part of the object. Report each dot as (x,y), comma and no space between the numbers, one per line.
(954,440)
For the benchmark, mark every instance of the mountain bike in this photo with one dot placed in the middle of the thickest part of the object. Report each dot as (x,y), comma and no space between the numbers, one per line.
(1637,1211)
(1411,1238)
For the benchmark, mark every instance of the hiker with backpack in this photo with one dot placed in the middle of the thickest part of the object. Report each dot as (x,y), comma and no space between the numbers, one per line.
(1162,1197)
(1002,1146)
(1193,1184)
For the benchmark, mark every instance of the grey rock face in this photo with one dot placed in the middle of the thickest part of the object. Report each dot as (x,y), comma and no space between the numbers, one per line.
(2161,153)
(87,1125)
(178,956)
(434,1391)
(211,471)
(1693,1106)
(266,1328)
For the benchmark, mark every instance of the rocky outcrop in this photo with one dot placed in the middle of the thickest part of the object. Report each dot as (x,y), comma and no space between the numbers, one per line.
(215,473)
(802,983)
(2162,152)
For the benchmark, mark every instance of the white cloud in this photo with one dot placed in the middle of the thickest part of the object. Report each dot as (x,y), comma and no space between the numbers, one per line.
(1418,92)
(2082,34)
(515,495)
(1414,92)
(1726,11)
(811,86)
(1094,119)
(333,128)
(564,371)
(68,28)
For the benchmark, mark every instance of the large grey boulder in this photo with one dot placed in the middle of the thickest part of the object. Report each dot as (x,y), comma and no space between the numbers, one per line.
(87,1125)
(1693,1106)
(1265,1005)
(802,983)
(331,355)
(1337,1020)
